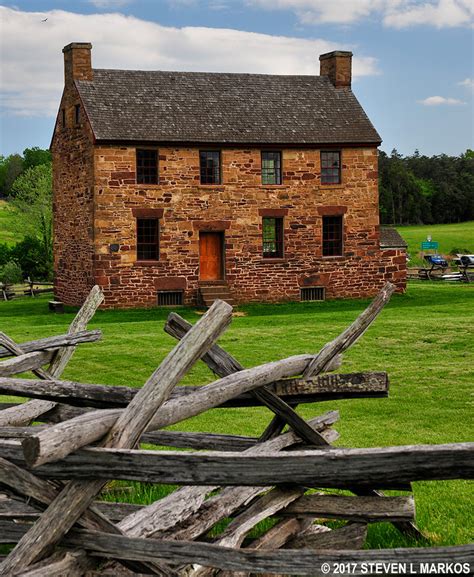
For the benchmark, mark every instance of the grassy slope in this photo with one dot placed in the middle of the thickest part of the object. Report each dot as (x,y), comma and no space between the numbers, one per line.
(449,236)
(8,233)
(423,340)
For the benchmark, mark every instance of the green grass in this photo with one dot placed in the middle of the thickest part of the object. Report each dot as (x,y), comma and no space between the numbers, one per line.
(422,339)
(8,232)
(450,236)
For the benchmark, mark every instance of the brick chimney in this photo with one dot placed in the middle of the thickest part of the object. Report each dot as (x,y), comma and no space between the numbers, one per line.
(337,66)
(77,62)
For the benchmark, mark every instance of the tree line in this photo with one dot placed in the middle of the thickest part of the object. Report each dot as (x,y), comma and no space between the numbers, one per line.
(420,189)
(26,182)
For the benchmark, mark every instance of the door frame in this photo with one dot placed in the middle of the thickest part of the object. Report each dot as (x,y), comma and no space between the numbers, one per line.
(221,234)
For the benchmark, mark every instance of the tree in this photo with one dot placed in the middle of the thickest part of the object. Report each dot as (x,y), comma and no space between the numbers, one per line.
(10,168)
(32,202)
(35,157)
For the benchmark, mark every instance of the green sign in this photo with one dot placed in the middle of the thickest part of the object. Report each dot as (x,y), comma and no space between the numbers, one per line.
(429,245)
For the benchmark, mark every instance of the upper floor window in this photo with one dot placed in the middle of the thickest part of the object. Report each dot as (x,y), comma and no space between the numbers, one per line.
(272,229)
(148,238)
(147,166)
(330,167)
(210,166)
(77,113)
(332,235)
(271,167)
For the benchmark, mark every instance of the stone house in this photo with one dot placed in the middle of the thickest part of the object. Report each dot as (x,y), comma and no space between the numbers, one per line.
(177,187)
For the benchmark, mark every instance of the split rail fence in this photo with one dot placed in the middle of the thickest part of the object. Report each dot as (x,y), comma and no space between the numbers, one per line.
(85,435)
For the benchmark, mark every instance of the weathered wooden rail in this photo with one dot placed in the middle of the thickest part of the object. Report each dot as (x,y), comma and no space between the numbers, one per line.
(52,473)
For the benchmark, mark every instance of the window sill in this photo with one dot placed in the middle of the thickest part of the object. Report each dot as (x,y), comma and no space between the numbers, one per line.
(273,186)
(138,185)
(329,185)
(333,257)
(273,260)
(147,262)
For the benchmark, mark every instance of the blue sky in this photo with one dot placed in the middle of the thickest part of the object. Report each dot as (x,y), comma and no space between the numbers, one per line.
(413,59)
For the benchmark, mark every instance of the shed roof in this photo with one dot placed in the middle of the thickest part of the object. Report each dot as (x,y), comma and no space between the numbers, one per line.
(222,108)
(391,238)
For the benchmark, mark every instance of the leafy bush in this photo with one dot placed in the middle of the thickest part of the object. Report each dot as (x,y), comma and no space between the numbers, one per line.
(33,258)
(5,253)
(454,251)
(11,273)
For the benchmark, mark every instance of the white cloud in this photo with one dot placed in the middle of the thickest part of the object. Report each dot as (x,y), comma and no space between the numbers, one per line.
(468,83)
(441,14)
(393,13)
(440,100)
(109,4)
(32,61)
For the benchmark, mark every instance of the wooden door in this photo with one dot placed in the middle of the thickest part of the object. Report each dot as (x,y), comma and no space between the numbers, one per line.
(210,255)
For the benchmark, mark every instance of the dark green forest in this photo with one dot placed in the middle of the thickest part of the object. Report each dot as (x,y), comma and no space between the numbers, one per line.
(420,189)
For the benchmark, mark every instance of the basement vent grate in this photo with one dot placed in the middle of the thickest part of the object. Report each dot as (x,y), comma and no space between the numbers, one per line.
(313,293)
(170,298)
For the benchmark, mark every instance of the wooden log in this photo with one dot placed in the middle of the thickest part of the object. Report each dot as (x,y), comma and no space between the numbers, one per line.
(149,521)
(224,364)
(79,324)
(216,507)
(86,429)
(322,388)
(290,561)
(27,362)
(346,339)
(386,467)
(235,532)
(22,413)
(287,561)
(54,342)
(61,564)
(351,536)
(125,432)
(40,492)
(17,509)
(325,358)
(283,531)
(362,509)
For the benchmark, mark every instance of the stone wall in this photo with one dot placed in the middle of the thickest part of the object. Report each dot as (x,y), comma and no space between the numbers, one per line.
(73,190)
(236,207)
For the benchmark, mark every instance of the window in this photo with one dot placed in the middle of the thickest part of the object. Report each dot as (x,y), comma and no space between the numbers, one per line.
(313,293)
(147,166)
(332,235)
(330,167)
(148,238)
(63,117)
(77,113)
(271,167)
(272,229)
(209,164)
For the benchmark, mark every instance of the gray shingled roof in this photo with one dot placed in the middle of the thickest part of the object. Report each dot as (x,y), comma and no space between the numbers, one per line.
(130,105)
(390,238)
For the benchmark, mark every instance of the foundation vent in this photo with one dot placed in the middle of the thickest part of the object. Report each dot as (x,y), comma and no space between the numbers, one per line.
(170,298)
(313,293)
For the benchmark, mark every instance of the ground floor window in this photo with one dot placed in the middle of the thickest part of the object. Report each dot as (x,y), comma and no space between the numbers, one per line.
(272,229)
(332,235)
(148,237)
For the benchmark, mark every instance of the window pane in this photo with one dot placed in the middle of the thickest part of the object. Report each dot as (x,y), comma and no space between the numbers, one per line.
(272,237)
(209,164)
(332,235)
(147,238)
(271,167)
(331,167)
(147,166)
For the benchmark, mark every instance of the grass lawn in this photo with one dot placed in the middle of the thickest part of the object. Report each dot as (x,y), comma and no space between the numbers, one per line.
(8,233)
(422,339)
(450,236)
